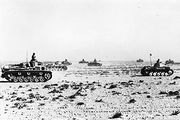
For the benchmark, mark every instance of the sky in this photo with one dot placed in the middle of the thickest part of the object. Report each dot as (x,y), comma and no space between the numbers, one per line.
(102,29)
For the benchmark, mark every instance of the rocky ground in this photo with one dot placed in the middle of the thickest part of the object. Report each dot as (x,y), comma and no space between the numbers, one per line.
(92,95)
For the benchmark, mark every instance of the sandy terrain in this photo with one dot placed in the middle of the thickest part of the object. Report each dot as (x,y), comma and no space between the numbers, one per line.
(92,94)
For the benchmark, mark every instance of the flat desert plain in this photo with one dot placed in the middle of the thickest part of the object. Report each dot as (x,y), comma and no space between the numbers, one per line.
(92,93)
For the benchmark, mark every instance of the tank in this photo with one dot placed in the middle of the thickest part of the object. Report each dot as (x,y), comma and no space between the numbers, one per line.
(94,63)
(169,62)
(83,61)
(56,66)
(23,73)
(156,71)
(66,62)
(140,60)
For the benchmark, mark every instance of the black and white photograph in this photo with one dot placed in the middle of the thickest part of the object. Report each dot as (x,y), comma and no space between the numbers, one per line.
(89,60)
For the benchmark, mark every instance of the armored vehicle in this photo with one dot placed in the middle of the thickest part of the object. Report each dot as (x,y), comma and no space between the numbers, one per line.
(94,63)
(140,60)
(24,73)
(156,71)
(66,62)
(56,66)
(83,61)
(169,62)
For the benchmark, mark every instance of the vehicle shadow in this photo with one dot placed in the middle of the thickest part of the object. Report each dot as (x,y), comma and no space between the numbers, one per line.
(5,81)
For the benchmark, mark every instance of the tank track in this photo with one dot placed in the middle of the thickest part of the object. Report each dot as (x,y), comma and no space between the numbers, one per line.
(158,74)
(27,76)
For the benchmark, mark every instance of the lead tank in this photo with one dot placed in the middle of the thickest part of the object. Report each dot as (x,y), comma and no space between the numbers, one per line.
(156,71)
(23,73)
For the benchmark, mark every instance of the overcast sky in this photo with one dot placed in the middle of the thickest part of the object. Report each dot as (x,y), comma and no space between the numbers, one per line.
(102,29)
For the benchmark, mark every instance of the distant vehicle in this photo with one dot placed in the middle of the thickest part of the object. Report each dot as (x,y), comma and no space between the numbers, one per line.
(24,73)
(66,62)
(156,71)
(140,60)
(94,63)
(169,62)
(83,61)
(56,66)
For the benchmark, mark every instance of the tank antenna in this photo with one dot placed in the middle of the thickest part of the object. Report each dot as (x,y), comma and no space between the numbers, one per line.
(150,59)
(27,56)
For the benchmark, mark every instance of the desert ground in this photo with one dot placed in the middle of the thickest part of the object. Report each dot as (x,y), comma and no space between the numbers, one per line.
(93,93)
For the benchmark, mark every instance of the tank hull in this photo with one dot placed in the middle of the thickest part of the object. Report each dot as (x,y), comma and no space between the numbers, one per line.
(21,73)
(139,60)
(27,75)
(83,62)
(66,63)
(94,64)
(156,71)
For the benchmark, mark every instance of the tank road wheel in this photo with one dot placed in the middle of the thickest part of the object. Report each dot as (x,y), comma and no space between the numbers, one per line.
(151,74)
(41,79)
(64,67)
(19,73)
(26,79)
(16,79)
(31,79)
(47,76)
(170,72)
(35,79)
(21,79)
(165,74)
(162,73)
(8,77)
(158,74)
(28,73)
(154,73)
(40,73)
(11,78)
